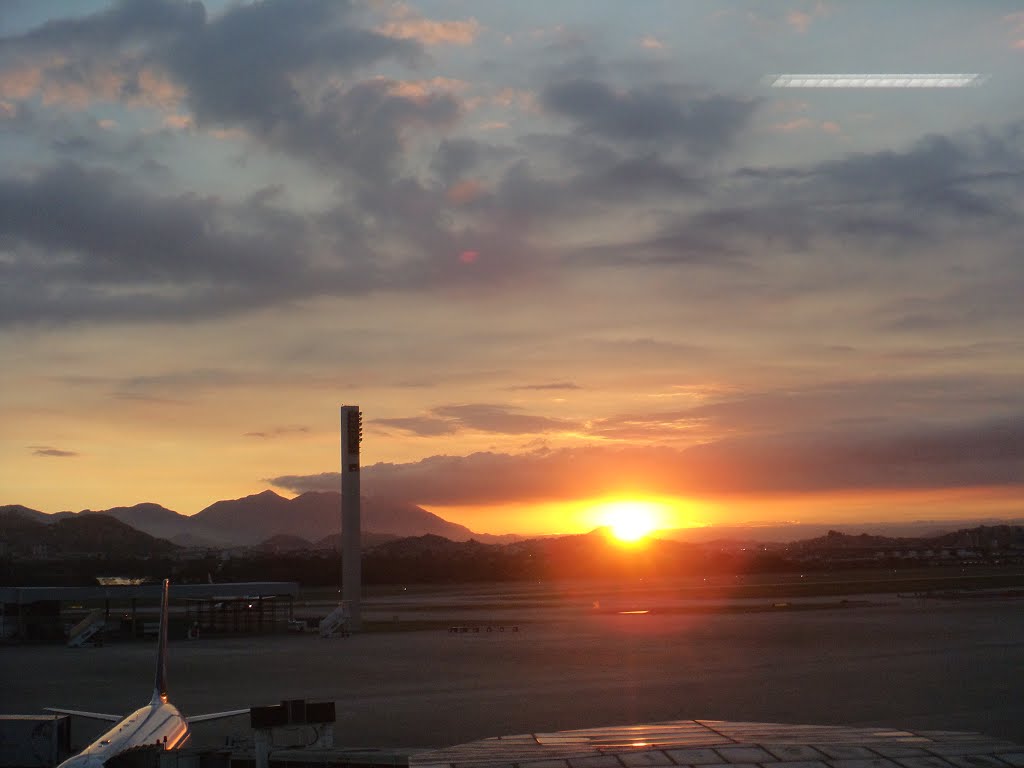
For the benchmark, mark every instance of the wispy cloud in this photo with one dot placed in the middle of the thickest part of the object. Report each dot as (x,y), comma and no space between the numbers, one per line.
(548,385)
(478,417)
(279,432)
(49,451)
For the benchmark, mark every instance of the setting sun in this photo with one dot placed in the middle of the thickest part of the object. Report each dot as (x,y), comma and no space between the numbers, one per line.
(631,520)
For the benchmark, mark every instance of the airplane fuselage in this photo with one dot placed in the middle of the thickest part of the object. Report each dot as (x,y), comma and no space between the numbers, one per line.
(157,723)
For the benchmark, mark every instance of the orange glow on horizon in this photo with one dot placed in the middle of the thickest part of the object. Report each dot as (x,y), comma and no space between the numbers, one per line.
(547,518)
(562,517)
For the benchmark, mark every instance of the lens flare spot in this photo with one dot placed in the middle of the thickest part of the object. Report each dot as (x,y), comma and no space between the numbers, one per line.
(469,257)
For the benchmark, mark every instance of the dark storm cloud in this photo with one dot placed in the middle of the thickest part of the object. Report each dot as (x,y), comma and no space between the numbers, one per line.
(455,157)
(595,176)
(832,403)
(655,114)
(986,453)
(244,69)
(45,450)
(604,162)
(125,21)
(481,417)
(908,457)
(288,75)
(239,66)
(640,175)
(965,177)
(360,128)
(486,253)
(895,202)
(567,177)
(259,67)
(127,233)
(973,176)
(91,244)
(682,245)
(294,77)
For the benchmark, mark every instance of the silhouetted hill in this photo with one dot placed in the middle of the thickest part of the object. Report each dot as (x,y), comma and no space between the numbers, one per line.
(99,533)
(253,519)
(836,540)
(150,518)
(25,512)
(87,534)
(369,540)
(13,520)
(284,543)
(315,515)
(248,520)
(378,516)
(192,541)
(790,532)
(985,538)
(416,546)
(404,519)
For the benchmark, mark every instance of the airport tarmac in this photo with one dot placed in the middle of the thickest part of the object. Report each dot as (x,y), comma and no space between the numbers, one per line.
(915,664)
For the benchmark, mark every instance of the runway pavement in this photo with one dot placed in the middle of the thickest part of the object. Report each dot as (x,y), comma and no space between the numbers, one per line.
(908,664)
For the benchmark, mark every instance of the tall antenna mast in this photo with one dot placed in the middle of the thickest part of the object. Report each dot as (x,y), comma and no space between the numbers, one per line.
(351,535)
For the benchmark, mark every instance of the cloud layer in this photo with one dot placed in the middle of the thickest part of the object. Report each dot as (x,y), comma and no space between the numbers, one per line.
(580,248)
(955,457)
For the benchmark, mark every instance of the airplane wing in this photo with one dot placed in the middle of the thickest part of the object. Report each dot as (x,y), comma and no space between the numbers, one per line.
(91,715)
(216,715)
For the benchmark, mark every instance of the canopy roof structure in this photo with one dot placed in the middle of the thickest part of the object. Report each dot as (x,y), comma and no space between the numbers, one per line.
(707,743)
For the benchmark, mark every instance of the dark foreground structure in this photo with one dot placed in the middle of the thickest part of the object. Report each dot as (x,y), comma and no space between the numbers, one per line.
(705,743)
(683,743)
(912,675)
(78,615)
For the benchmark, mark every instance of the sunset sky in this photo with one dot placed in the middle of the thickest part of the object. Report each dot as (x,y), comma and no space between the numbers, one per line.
(559,252)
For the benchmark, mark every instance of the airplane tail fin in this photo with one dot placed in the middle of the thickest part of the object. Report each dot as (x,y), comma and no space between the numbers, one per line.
(160,684)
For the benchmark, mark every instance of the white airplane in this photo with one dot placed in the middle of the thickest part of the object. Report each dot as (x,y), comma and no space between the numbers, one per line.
(158,724)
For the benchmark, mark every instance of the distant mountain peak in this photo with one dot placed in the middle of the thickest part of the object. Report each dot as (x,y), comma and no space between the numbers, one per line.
(311,516)
(266,494)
